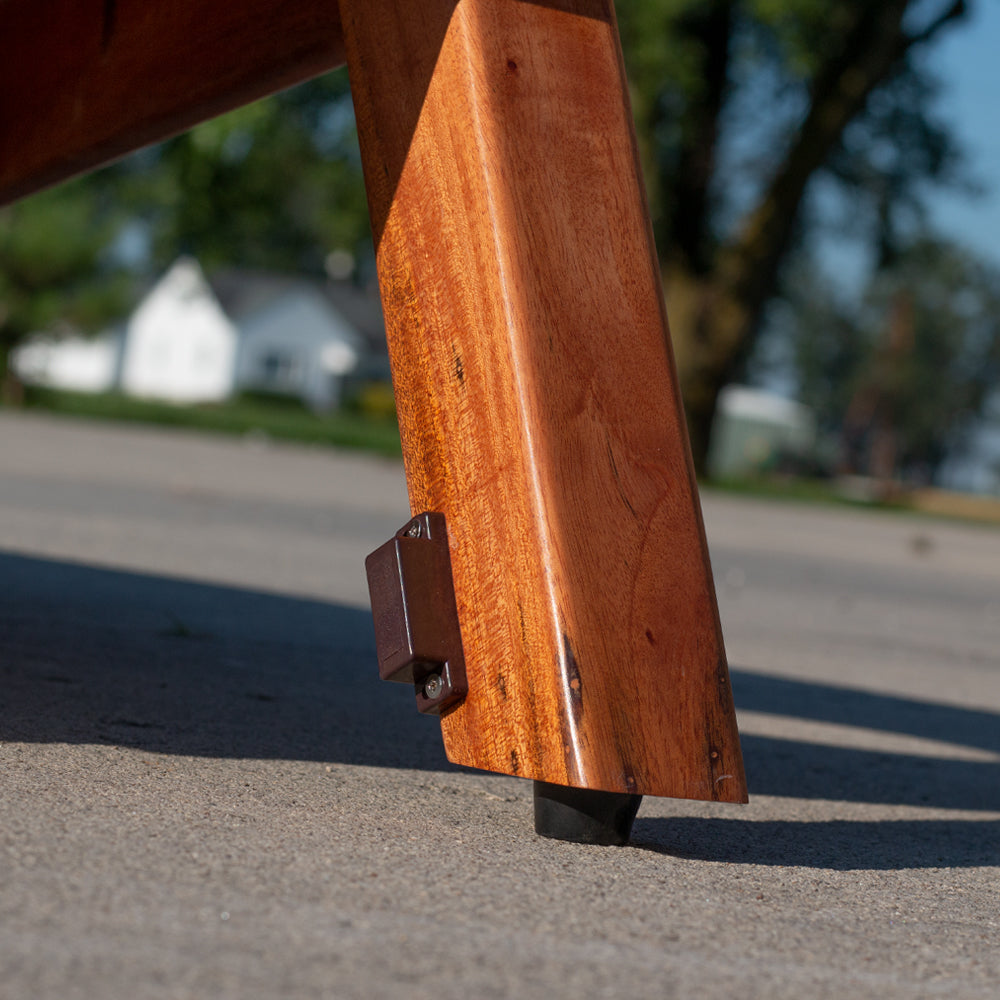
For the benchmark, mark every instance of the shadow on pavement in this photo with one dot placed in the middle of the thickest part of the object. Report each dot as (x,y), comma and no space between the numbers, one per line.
(800,769)
(849,706)
(816,771)
(92,655)
(103,656)
(838,845)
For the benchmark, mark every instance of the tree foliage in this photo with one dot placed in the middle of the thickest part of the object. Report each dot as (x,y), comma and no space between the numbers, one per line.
(57,265)
(741,106)
(275,184)
(902,376)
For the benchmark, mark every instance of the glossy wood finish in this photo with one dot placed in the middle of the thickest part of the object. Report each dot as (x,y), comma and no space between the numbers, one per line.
(537,395)
(83,82)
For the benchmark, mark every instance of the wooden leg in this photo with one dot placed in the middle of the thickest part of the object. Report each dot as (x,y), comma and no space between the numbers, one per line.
(537,395)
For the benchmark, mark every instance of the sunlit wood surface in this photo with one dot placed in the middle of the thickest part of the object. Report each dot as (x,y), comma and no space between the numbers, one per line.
(536,391)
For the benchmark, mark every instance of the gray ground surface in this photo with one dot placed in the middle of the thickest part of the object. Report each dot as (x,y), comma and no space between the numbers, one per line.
(205,792)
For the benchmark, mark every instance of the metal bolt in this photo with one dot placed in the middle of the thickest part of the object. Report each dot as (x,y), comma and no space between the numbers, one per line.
(433,687)
(414,530)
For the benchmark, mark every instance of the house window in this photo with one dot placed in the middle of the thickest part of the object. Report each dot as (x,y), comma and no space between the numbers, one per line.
(278,368)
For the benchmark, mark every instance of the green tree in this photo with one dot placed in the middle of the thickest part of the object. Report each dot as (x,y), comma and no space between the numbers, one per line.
(57,265)
(904,375)
(276,184)
(741,106)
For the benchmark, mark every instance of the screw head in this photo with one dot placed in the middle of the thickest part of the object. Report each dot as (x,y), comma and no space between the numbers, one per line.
(414,530)
(433,687)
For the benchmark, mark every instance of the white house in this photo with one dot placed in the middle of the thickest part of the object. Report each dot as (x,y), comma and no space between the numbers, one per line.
(71,361)
(293,340)
(179,344)
(194,341)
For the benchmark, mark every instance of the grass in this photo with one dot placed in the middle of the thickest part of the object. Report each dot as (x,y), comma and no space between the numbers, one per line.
(282,419)
(933,504)
(824,491)
(811,490)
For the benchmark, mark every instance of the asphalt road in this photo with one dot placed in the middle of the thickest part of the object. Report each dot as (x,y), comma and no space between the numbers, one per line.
(205,791)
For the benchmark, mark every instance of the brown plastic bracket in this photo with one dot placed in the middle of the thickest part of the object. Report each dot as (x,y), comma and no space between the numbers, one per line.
(417,637)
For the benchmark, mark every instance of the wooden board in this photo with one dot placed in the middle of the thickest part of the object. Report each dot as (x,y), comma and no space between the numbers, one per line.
(537,394)
(83,82)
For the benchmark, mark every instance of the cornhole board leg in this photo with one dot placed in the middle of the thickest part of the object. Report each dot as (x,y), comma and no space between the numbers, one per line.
(537,395)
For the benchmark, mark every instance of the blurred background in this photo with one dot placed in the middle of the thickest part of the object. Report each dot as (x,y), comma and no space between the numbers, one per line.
(822,179)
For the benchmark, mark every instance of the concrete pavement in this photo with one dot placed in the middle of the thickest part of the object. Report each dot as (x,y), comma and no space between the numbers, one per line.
(205,791)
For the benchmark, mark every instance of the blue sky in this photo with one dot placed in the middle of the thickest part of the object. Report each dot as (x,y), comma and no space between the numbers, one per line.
(967,59)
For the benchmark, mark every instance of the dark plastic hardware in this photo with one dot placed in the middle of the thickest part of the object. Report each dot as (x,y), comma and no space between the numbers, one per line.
(417,638)
(583,815)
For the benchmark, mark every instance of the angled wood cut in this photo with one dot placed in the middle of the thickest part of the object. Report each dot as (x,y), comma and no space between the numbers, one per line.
(85,81)
(537,395)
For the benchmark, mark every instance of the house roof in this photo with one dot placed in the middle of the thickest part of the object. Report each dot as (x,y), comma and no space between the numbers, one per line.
(244,292)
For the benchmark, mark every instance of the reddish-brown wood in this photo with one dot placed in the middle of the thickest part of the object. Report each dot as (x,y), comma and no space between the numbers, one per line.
(83,82)
(537,395)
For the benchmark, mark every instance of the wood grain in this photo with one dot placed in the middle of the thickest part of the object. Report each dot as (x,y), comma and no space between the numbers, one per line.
(537,395)
(83,82)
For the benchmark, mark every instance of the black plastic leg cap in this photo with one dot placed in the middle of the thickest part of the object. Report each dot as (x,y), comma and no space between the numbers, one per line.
(584,816)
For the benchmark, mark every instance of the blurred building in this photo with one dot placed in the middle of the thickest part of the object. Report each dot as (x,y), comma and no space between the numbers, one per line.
(64,359)
(191,340)
(757,431)
(179,345)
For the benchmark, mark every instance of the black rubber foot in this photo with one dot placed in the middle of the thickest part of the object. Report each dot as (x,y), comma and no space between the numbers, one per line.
(584,816)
